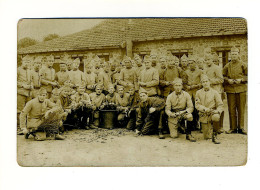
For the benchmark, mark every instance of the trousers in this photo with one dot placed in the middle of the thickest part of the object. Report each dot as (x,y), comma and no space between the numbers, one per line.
(236,109)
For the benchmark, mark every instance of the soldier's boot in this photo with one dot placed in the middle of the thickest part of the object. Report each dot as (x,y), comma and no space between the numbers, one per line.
(214,138)
(190,138)
(161,136)
(40,136)
(59,137)
(242,131)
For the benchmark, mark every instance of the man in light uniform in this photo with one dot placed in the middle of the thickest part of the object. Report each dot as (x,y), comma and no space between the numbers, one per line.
(48,75)
(77,76)
(210,106)
(128,75)
(35,113)
(90,78)
(215,76)
(35,77)
(23,87)
(235,76)
(63,74)
(149,77)
(179,108)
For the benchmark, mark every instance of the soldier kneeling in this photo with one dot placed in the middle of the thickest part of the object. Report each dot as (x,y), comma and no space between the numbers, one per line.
(40,120)
(149,114)
(210,106)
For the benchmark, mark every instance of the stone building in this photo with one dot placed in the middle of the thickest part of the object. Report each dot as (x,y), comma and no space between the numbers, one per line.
(119,37)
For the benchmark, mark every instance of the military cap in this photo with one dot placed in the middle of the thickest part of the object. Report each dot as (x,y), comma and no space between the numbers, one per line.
(147,58)
(77,60)
(200,59)
(142,90)
(38,59)
(184,57)
(176,59)
(99,86)
(234,49)
(177,80)
(55,91)
(42,91)
(50,58)
(208,56)
(204,77)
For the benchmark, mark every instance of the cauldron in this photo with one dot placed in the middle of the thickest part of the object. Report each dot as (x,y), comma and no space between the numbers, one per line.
(108,119)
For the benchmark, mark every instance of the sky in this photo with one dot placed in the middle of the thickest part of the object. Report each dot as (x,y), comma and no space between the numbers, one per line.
(39,28)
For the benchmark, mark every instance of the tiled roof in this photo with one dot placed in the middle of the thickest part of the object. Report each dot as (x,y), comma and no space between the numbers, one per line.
(113,32)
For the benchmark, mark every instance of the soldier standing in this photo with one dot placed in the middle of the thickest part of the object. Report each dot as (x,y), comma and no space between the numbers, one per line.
(23,87)
(77,76)
(179,108)
(162,69)
(149,77)
(128,75)
(90,78)
(63,74)
(214,73)
(48,75)
(36,77)
(210,107)
(235,76)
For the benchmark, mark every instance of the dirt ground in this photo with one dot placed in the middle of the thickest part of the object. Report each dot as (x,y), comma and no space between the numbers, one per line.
(119,147)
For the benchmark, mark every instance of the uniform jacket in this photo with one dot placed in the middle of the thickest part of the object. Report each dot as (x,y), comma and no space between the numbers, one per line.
(235,71)
(23,78)
(104,79)
(61,77)
(35,79)
(47,75)
(77,77)
(34,110)
(97,100)
(151,78)
(111,98)
(193,78)
(123,101)
(214,73)
(208,99)
(77,98)
(168,76)
(91,80)
(65,102)
(176,103)
(127,77)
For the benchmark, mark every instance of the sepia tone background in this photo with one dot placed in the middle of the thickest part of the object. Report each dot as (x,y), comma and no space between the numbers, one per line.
(109,38)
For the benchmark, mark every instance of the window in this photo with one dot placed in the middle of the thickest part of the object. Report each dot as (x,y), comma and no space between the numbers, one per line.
(104,57)
(224,57)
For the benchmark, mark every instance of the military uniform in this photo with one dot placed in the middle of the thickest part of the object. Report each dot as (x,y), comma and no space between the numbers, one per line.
(151,78)
(122,101)
(96,101)
(210,99)
(128,77)
(82,109)
(236,93)
(61,77)
(147,122)
(36,82)
(176,103)
(104,79)
(91,81)
(76,77)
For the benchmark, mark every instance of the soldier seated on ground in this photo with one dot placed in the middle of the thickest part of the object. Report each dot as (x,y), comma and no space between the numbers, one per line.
(122,102)
(178,108)
(210,106)
(81,106)
(36,118)
(97,99)
(149,114)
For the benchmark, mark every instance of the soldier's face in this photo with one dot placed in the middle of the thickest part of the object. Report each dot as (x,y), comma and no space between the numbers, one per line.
(128,64)
(215,61)
(81,90)
(88,69)
(162,63)
(176,63)
(113,68)
(184,63)
(139,63)
(37,66)
(178,87)
(205,83)
(25,64)
(55,96)
(121,91)
(143,97)
(208,61)
(234,56)
(42,96)
(171,64)
(50,63)
(192,66)
(131,91)
(148,64)
(111,90)
(62,67)
(65,93)
(67,82)
(98,90)
(76,65)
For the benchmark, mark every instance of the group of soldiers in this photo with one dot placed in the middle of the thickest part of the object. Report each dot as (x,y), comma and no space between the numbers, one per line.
(151,96)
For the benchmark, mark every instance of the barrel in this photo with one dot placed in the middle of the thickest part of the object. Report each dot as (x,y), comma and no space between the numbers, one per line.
(108,119)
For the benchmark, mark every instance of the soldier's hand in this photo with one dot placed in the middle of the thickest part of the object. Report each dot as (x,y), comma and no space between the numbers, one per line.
(207,110)
(151,110)
(230,81)
(238,81)
(173,115)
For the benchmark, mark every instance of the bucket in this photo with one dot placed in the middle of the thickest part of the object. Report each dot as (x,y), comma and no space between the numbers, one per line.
(108,119)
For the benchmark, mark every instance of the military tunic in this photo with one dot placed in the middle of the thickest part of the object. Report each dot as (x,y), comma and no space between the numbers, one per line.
(128,77)
(61,77)
(77,77)
(47,76)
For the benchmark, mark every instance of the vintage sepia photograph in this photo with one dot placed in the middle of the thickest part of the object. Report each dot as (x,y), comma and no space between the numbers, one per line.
(132,92)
